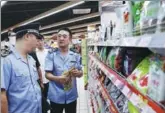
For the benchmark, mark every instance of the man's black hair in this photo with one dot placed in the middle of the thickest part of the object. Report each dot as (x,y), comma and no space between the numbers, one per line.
(66,29)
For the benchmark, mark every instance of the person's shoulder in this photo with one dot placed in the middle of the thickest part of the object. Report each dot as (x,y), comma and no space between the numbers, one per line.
(6,51)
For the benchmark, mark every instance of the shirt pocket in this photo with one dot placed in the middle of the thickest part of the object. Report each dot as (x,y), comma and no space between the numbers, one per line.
(72,64)
(22,78)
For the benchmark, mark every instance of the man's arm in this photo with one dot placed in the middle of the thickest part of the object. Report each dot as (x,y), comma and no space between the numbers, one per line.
(40,77)
(4,102)
(5,82)
(60,79)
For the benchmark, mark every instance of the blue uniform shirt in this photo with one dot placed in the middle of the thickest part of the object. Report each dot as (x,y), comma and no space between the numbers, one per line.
(57,64)
(19,81)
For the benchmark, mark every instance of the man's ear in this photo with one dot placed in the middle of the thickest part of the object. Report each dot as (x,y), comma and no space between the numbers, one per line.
(26,36)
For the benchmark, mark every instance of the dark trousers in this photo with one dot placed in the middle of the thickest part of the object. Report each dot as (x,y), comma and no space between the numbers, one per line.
(58,108)
(45,104)
(45,92)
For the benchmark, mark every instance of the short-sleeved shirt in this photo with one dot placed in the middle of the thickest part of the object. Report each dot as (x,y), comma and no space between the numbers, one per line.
(18,79)
(57,64)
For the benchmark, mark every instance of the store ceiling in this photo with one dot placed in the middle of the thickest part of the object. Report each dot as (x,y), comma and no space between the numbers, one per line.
(14,12)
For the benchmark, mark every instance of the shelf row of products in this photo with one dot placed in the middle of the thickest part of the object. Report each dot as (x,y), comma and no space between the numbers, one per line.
(131,19)
(138,67)
(110,99)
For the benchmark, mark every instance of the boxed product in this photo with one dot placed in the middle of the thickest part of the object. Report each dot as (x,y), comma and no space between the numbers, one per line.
(156,82)
(139,77)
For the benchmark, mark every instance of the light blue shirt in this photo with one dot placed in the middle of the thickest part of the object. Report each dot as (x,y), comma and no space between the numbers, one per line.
(57,64)
(19,81)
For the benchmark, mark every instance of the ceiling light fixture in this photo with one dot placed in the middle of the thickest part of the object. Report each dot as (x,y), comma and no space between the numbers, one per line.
(81,11)
(55,12)
(73,27)
(71,20)
(3,3)
(47,13)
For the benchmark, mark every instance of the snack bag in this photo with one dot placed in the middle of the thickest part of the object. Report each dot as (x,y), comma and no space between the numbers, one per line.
(68,85)
(139,77)
(156,85)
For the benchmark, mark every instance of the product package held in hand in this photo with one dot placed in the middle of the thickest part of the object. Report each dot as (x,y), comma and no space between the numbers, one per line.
(68,85)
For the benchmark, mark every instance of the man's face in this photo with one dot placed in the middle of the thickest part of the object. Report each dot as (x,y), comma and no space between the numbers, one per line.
(40,44)
(32,42)
(63,38)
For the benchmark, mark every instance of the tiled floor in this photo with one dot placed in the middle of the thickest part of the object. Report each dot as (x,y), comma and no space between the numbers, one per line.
(82,102)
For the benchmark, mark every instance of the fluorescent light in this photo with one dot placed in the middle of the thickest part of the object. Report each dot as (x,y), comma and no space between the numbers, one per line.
(79,30)
(74,27)
(47,13)
(71,20)
(54,12)
(81,11)
(3,3)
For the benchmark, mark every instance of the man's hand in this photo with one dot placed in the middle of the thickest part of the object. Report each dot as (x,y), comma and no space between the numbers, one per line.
(42,86)
(62,79)
(76,73)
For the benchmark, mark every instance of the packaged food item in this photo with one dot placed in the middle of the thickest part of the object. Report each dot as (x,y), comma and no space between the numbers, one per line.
(148,18)
(115,58)
(139,77)
(106,81)
(68,85)
(136,11)
(125,107)
(104,56)
(100,53)
(132,58)
(156,83)
(114,92)
(132,108)
(161,17)
(125,24)
(120,102)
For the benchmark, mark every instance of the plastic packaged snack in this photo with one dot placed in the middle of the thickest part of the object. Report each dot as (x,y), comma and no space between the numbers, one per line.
(156,83)
(68,85)
(148,18)
(161,18)
(115,58)
(136,11)
(132,58)
(132,108)
(139,77)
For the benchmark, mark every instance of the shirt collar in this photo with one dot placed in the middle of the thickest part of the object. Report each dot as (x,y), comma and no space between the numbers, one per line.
(15,52)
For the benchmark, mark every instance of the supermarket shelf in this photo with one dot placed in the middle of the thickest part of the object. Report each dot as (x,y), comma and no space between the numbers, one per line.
(106,96)
(153,41)
(144,103)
